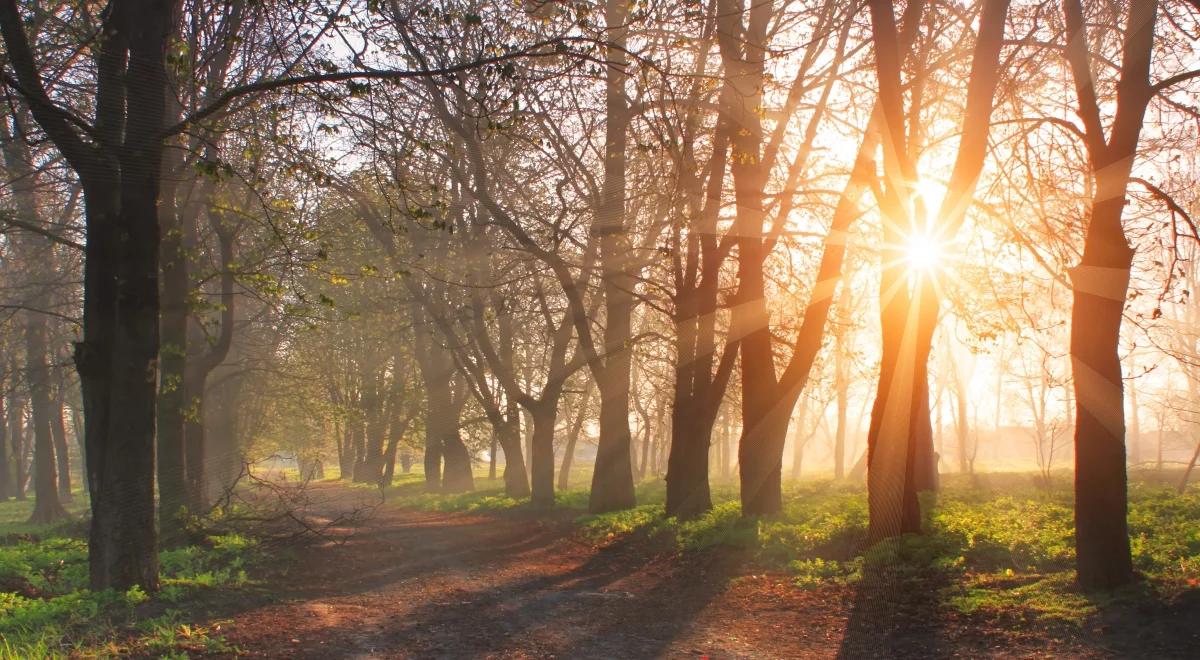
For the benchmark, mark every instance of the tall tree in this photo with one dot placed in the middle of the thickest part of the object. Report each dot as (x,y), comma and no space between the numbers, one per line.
(901,459)
(612,477)
(36,254)
(117,161)
(1100,282)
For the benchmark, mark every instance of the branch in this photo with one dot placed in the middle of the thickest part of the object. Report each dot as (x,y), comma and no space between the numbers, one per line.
(1081,72)
(30,227)
(53,119)
(234,93)
(1162,85)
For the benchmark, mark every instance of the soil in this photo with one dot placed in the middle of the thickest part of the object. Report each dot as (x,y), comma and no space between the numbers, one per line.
(414,584)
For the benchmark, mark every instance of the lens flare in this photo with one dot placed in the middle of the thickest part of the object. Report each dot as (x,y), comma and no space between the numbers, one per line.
(923,252)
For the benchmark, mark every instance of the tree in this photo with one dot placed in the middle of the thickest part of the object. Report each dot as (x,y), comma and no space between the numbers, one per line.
(119,170)
(1100,282)
(37,257)
(901,457)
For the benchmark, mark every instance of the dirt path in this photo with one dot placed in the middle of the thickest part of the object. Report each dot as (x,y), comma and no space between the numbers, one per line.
(443,585)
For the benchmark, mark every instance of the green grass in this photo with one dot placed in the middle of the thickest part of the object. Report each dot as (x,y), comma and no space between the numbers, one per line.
(14,517)
(46,609)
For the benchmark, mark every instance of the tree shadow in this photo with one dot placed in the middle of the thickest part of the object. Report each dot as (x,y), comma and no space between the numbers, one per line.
(596,609)
(895,614)
(1139,621)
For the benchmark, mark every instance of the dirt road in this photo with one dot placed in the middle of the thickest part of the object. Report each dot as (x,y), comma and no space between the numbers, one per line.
(447,585)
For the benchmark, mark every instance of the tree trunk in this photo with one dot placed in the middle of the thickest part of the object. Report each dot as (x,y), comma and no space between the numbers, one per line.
(516,481)
(1158,467)
(1135,427)
(960,419)
(118,354)
(359,447)
(61,446)
(196,449)
(173,397)
(1187,473)
(842,396)
(16,436)
(435,410)
(726,450)
(492,451)
(696,397)
(346,452)
(542,468)
(902,462)
(371,463)
(46,507)
(459,476)
(612,476)
(799,435)
(564,471)
(1099,282)
(77,426)
(225,463)
(389,464)
(397,426)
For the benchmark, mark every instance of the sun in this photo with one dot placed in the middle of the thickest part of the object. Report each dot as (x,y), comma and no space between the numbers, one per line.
(923,251)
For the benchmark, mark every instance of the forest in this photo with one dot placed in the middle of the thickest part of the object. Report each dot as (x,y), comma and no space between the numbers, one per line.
(599,328)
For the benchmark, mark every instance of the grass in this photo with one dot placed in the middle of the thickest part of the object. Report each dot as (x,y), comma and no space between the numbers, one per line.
(1004,548)
(14,517)
(46,609)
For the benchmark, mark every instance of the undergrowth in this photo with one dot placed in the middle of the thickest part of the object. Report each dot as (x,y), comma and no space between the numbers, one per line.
(47,610)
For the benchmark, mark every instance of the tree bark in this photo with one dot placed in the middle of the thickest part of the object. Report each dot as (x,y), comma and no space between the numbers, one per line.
(612,476)
(369,468)
(16,437)
(117,357)
(696,397)
(1101,532)
(346,452)
(46,507)
(541,470)
(61,446)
